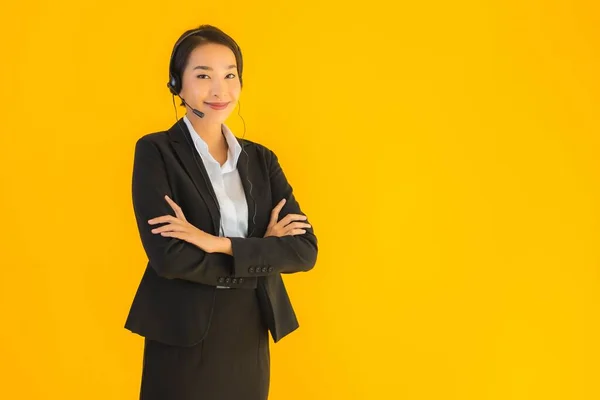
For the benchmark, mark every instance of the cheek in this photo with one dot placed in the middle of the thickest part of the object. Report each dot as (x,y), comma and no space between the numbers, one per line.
(200,90)
(195,85)
(235,92)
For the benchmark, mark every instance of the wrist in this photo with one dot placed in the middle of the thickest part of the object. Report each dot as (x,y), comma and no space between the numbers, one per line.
(223,245)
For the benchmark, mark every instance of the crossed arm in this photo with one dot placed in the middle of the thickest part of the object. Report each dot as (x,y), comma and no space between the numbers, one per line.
(205,257)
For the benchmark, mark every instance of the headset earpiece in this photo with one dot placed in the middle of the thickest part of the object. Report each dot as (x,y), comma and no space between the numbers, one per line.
(172,85)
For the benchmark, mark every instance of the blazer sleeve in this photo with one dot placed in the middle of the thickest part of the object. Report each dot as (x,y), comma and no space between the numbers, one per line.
(169,257)
(272,255)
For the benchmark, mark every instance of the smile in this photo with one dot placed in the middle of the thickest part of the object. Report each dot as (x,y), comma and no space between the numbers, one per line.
(217,106)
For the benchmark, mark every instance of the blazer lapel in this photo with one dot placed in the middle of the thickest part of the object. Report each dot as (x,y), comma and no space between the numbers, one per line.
(184,147)
(242,167)
(182,143)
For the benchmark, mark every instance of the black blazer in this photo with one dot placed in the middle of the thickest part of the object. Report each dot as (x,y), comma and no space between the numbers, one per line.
(175,298)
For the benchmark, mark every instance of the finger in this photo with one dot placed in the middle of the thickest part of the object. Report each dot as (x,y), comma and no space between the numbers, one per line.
(281,203)
(293,232)
(178,211)
(178,235)
(164,218)
(298,225)
(278,207)
(275,212)
(170,228)
(293,217)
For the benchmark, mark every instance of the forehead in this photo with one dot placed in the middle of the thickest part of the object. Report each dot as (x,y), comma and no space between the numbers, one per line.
(212,55)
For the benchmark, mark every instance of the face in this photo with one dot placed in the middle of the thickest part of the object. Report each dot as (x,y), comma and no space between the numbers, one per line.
(210,82)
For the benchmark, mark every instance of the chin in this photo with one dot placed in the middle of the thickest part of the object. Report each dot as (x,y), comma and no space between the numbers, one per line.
(214,117)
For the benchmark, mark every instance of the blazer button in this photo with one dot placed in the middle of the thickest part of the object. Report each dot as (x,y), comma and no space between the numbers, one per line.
(227,280)
(264,269)
(270,269)
(251,270)
(221,280)
(234,280)
(240,280)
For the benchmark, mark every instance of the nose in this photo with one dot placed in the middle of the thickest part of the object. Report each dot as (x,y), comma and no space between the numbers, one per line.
(218,89)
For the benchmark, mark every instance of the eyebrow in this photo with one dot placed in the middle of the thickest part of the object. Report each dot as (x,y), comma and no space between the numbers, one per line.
(206,68)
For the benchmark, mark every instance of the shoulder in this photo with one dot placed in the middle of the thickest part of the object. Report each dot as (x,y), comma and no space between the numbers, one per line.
(156,138)
(259,149)
(153,143)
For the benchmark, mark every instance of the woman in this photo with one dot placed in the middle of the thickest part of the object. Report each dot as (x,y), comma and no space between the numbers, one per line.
(220,224)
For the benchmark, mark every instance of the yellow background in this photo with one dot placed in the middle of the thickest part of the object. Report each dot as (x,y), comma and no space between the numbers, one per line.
(445,151)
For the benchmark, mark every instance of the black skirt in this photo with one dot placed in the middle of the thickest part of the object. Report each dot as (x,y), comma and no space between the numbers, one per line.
(231,363)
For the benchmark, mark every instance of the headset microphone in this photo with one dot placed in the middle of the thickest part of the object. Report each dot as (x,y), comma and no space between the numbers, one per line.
(197,112)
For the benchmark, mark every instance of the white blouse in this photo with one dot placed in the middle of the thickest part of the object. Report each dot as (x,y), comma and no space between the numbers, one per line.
(226,183)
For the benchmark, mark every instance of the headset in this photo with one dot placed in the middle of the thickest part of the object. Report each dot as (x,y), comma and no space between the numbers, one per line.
(174,86)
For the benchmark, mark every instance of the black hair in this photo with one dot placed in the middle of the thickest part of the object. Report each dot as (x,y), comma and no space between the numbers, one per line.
(205,34)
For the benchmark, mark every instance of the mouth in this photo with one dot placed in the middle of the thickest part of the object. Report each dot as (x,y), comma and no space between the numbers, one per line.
(217,106)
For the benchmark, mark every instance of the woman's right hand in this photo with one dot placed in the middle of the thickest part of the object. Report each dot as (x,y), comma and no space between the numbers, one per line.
(285,227)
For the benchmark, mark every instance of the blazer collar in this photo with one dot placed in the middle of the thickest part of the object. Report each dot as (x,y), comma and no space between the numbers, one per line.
(234,147)
(181,139)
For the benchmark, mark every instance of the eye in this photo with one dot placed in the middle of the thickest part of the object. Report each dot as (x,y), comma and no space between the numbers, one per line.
(232,75)
(202,75)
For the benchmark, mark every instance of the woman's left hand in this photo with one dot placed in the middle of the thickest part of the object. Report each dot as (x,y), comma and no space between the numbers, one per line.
(180,228)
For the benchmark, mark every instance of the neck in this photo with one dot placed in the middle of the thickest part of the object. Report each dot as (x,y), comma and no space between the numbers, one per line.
(209,132)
